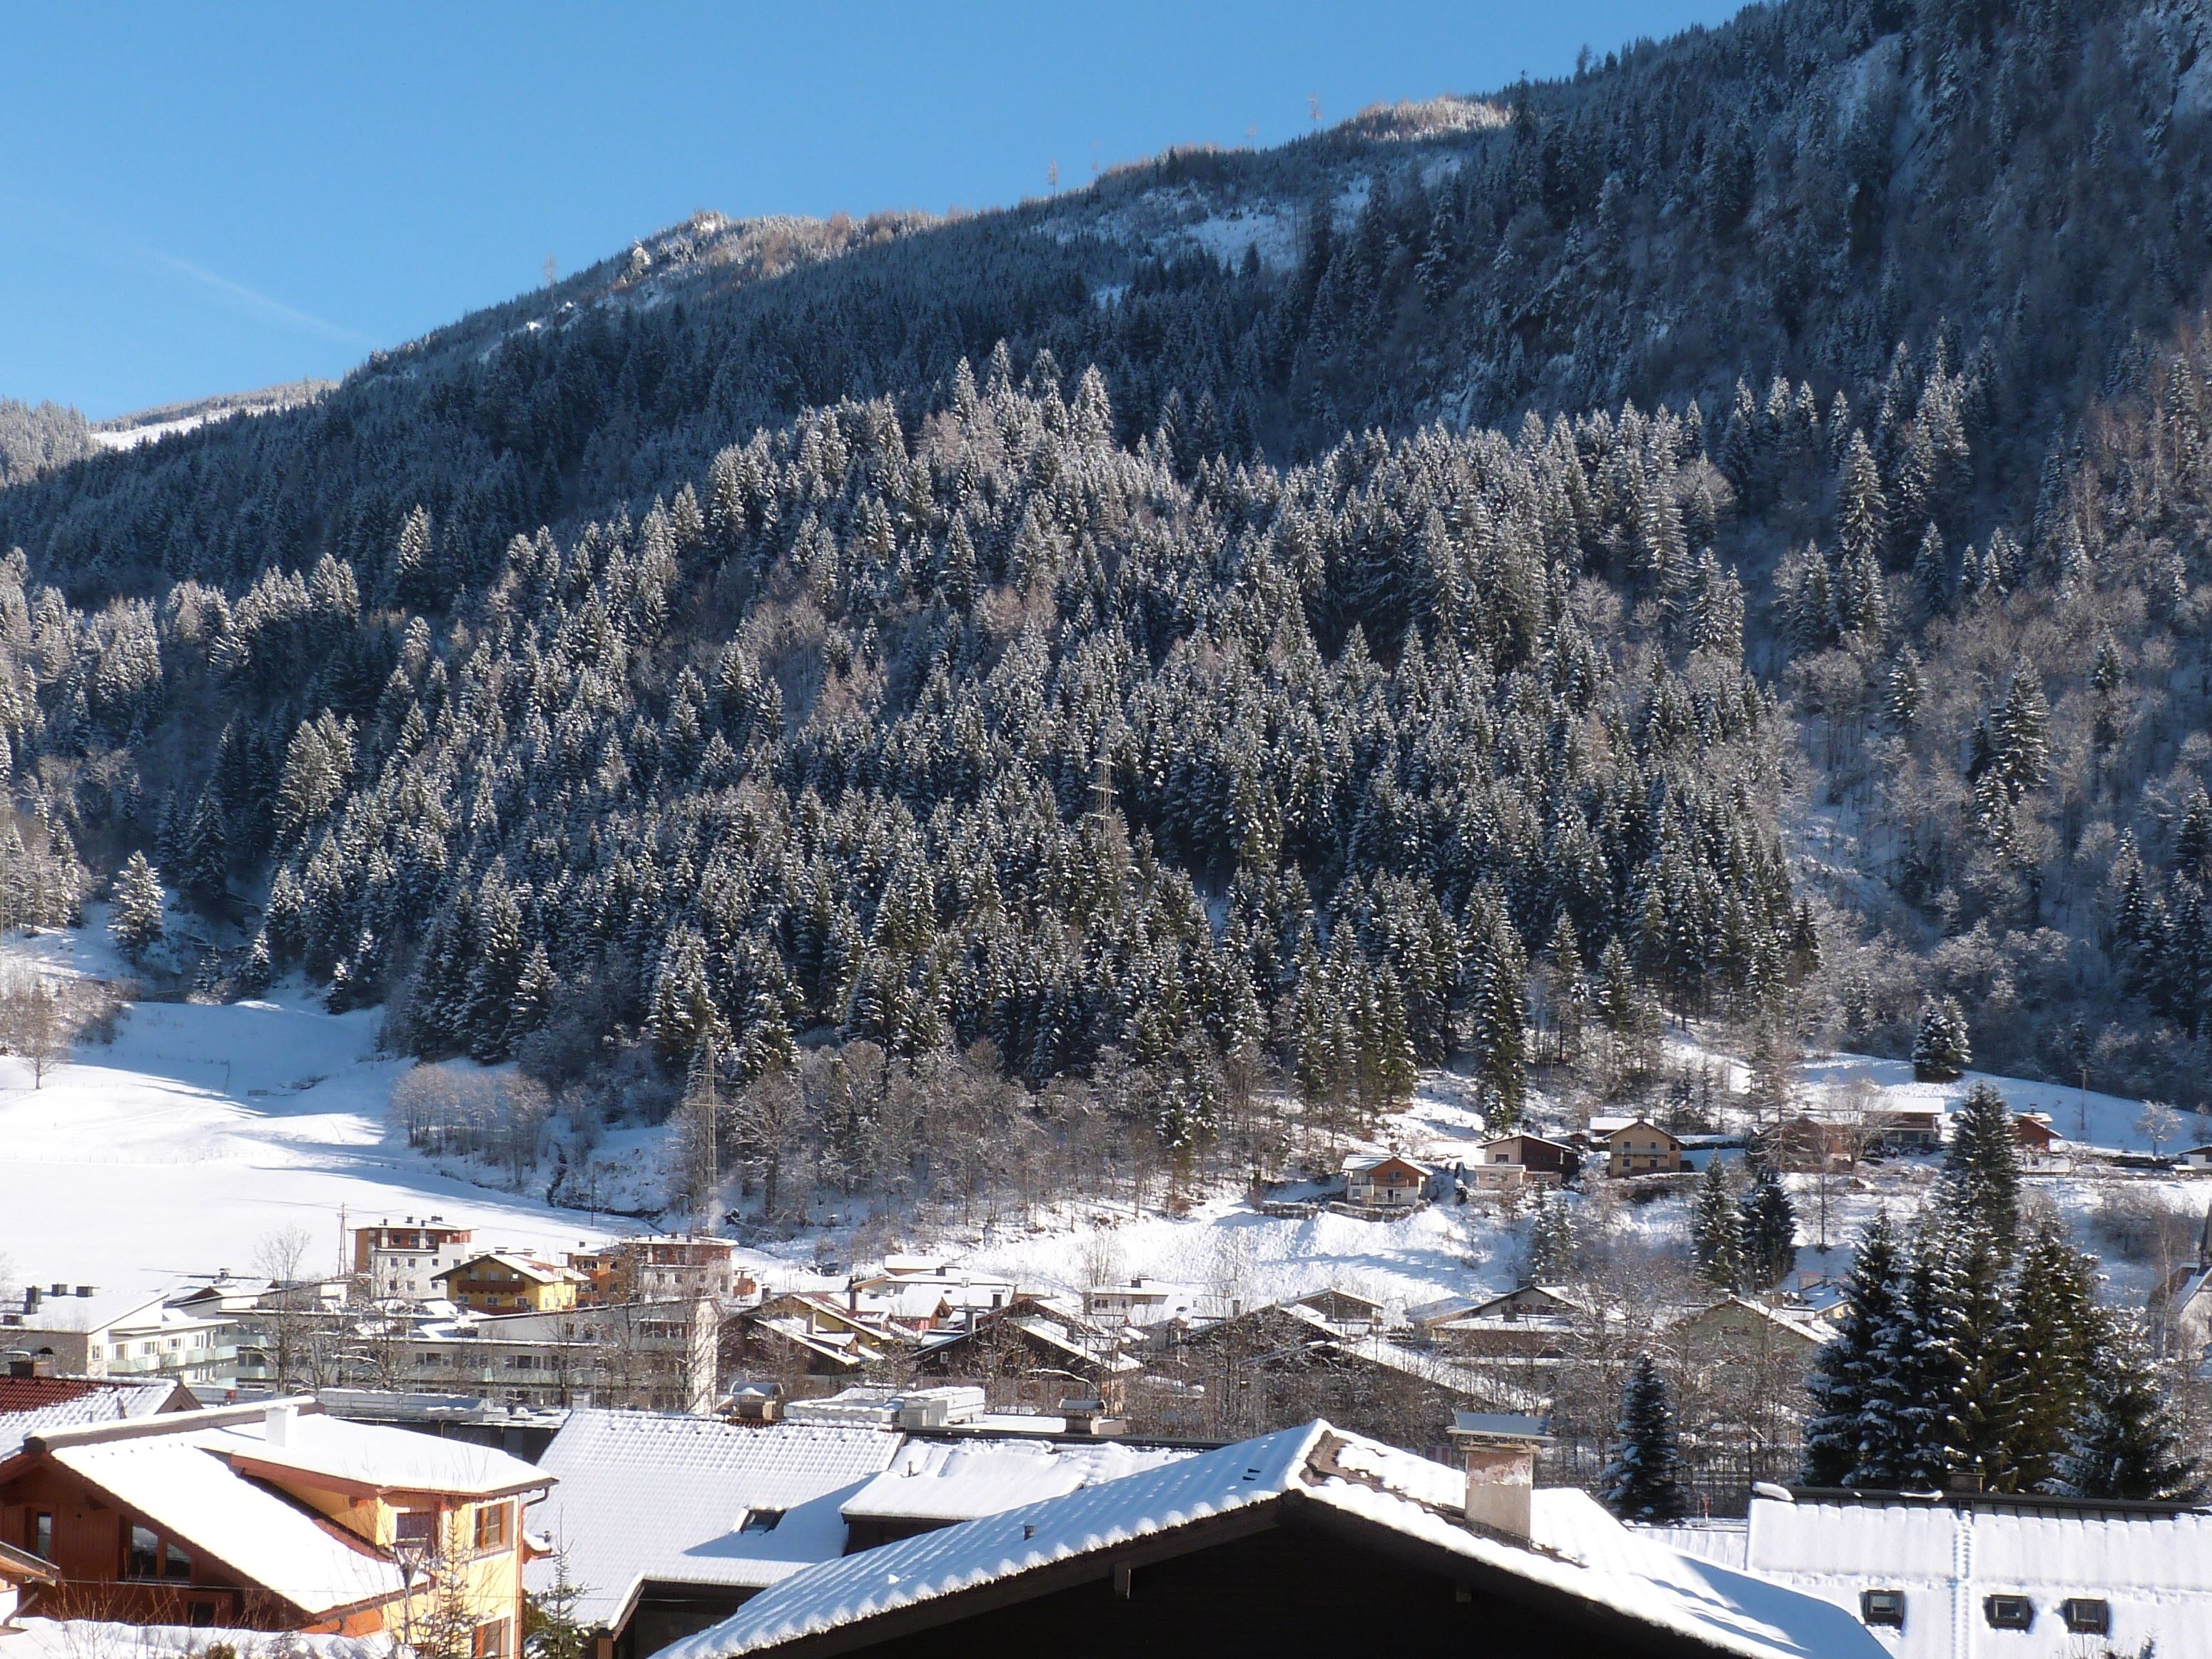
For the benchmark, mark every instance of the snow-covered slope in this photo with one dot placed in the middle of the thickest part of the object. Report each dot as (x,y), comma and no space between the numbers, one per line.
(201,1131)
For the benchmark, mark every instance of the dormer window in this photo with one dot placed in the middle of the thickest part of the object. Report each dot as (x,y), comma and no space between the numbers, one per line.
(2086,1615)
(1883,1607)
(2009,1612)
(760,1520)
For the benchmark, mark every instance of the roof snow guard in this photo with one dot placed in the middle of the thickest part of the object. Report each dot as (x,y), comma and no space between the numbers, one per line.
(1603,1578)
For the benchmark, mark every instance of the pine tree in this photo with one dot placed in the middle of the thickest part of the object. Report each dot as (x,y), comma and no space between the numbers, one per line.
(2056,1336)
(1768,1222)
(1643,1480)
(2127,1443)
(1551,1250)
(1976,1340)
(1981,1170)
(1715,1237)
(1940,1052)
(135,920)
(1846,1423)
(1862,510)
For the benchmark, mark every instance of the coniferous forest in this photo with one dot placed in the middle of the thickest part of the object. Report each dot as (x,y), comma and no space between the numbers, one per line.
(1720,537)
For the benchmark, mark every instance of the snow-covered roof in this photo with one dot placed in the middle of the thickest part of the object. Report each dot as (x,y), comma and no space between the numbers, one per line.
(181,1484)
(2154,1571)
(1579,1550)
(89,1638)
(934,1480)
(95,1404)
(650,1496)
(377,1457)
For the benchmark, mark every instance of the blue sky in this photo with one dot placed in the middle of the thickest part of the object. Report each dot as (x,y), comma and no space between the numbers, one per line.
(209,198)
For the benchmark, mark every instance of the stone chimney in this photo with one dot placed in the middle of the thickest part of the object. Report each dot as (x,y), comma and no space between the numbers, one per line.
(1501,1468)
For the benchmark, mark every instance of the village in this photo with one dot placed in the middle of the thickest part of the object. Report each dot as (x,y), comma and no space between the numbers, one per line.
(456,1441)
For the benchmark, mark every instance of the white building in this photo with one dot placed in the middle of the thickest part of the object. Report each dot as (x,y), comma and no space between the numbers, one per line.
(1969,1576)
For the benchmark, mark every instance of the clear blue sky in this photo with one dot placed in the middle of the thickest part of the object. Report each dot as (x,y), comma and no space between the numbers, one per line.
(207,198)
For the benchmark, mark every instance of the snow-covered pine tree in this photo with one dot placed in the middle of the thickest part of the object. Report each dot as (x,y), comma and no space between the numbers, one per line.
(1550,1247)
(1940,1052)
(1716,1229)
(1643,1480)
(1768,1223)
(134,918)
(2057,1329)
(1981,1170)
(1975,1348)
(1847,1426)
(2127,1443)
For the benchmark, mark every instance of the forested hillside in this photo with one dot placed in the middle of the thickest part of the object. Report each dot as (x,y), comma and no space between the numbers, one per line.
(1721,536)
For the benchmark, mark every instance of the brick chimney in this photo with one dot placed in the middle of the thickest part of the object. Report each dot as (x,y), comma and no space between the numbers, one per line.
(1501,1468)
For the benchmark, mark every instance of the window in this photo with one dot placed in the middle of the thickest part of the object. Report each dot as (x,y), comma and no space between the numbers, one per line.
(144,1559)
(2085,1615)
(200,1615)
(2009,1612)
(415,1526)
(42,1534)
(1882,1606)
(491,1527)
(761,1520)
(491,1640)
(177,1564)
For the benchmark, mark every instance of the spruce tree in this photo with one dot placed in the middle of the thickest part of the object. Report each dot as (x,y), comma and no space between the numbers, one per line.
(1768,1223)
(1981,1170)
(1643,1480)
(1974,1350)
(2127,1443)
(1847,1428)
(1715,1231)
(2056,1332)
(135,919)
(1940,1052)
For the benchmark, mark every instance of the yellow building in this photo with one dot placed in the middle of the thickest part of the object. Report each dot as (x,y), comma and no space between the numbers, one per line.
(499,1281)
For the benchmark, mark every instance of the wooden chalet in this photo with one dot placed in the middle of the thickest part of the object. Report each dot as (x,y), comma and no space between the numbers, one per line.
(1391,1183)
(1542,1162)
(2034,1134)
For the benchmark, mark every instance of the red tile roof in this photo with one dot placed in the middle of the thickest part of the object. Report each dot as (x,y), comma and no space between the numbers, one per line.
(27,1394)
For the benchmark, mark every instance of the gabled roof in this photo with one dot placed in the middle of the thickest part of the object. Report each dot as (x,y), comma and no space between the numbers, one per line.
(540,1272)
(72,1402)
(648,1496)
(190,1493)
(209,1479)
(1606,1127)
(1579,1552)
(1360,1164)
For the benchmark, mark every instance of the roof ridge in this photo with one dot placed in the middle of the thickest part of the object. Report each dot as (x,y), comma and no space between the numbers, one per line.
(134,1428)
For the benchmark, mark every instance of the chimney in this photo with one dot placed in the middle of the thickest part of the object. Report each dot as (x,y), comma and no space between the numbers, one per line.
(276,1421)
(1501,1468)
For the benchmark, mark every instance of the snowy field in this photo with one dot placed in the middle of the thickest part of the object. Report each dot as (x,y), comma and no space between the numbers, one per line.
(201,1131)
